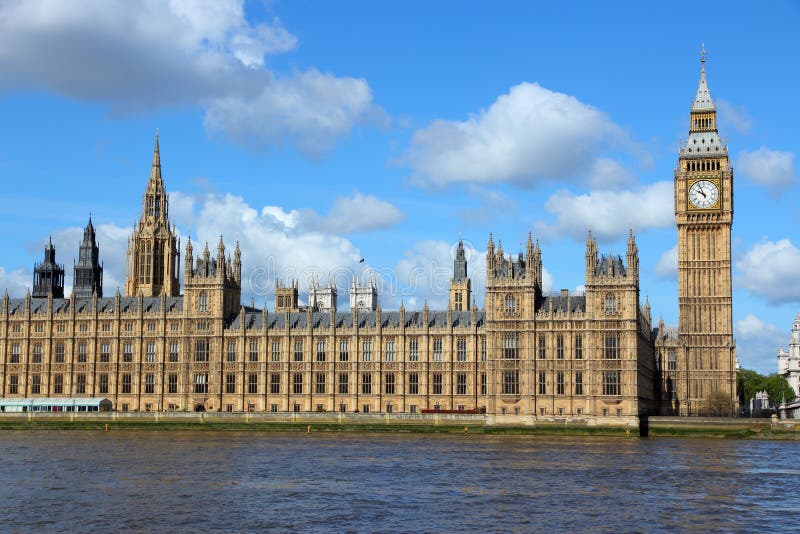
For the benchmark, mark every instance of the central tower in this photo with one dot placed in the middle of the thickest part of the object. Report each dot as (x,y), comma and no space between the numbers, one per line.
(152,266)
(704,215)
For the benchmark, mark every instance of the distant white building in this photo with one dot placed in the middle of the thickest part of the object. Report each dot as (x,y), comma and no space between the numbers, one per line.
(789,362)
(363,298)
(322,298)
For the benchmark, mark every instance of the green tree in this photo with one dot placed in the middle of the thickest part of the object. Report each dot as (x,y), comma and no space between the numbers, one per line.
(750,382)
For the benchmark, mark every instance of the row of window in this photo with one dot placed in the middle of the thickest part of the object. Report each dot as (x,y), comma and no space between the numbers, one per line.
(510,350)
(105,326)
(510,383)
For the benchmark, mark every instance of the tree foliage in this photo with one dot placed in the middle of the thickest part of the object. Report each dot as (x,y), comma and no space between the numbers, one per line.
(750,382)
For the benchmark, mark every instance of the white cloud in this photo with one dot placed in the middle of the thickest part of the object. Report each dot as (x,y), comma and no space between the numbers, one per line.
(609,214)
(357,213)
(667,265)
(770,168)
(526,136)
(757,343)
(16,282)
(606,172)
(274,242)
(769,270)
(733,116)
(147,54)
(309,110)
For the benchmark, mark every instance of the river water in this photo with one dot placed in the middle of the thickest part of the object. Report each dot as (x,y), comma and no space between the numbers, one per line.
(237,481)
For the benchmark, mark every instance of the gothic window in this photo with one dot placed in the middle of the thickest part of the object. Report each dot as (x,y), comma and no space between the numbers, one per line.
(611,382)
(413,384)
(366,384)
(321,350)
(173,351)
(275,383)
(201,383)
(578,347)
(276,351)
(437,349)
(389,382)
(461,384)
(560,347)
(672,360)
(15,353)
(542,383)
(511,383)
(253,356)
(58,384)
(127,352)
(151,206)
(579,383)
(149,383)
(126,383)
(202,302)
(37,353)
(413,350)
(437,383)
(158,208)
(343,383)
(510,342)
(230,383)
(158,263)
(560,383)
(611,303)
(611,346)
(297,383)
(390,351)
(201,351)
(461,349)
(344,353)
(298,350)
(511,304)
(252,383)
(172,383)
(366,353)
(60,353)
(319,387)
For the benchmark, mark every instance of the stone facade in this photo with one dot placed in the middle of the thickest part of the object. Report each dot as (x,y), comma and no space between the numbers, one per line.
(527,354)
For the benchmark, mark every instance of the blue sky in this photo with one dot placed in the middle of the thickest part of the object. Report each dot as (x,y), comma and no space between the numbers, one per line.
(318,133)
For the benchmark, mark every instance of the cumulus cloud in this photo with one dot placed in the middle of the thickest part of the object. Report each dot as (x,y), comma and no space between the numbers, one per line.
(769,270)
(309,110)
(606,172)
(143,55)
(667,265)
(770,168)
(357,213)
(16,282)
(528,135)
(609,214)
(733,116)
(757,343)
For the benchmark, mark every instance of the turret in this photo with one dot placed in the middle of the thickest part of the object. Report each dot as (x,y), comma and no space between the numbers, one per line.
(591,256)
(88,272)
(48,276)
(632,256)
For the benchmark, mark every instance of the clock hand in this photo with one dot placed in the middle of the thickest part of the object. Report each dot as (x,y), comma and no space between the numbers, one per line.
(700,190)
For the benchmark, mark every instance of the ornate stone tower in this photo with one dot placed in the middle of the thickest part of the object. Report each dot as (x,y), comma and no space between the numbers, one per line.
(706,365)
(513,296)
(153,255)
(460,284)
(286,296)
(48,276)
(363,298)
(212,285)
(322,298)
(88,277)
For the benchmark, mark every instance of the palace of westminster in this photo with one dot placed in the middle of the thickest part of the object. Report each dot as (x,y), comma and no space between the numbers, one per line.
(593,355)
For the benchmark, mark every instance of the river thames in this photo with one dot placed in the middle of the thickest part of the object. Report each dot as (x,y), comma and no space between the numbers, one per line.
(237,481)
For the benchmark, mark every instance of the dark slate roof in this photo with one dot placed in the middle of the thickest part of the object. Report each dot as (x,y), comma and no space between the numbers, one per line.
(577,303)
(605,265)
(254,318)
(104,305)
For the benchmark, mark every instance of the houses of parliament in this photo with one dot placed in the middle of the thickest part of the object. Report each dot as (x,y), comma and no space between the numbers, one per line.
(181,339)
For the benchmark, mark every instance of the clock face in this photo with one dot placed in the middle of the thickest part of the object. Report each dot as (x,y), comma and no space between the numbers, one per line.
(703,194)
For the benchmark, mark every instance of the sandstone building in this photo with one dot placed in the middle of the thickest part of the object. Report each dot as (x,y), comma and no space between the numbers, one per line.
(194,346)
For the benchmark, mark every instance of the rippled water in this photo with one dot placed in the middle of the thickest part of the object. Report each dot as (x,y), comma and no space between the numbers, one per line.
(231,481)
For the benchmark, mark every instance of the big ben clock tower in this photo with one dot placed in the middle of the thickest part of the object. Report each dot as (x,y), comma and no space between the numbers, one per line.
(706,360)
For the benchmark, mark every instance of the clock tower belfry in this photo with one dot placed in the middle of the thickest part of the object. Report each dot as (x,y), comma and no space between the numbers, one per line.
(705,373)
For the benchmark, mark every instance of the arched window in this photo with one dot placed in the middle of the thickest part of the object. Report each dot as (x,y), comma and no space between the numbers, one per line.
(202,302)
(611,303)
